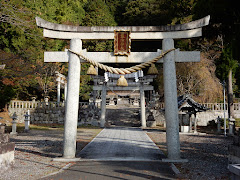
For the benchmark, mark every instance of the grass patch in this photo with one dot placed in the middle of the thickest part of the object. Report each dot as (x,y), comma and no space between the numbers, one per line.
(21,127)
(237,122)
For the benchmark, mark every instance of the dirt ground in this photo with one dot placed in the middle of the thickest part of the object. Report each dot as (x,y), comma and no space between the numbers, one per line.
(207,154)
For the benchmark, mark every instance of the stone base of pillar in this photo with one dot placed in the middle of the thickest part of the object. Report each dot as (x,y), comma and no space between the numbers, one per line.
(174,160)
(62,159)
(14,133)
(185,129)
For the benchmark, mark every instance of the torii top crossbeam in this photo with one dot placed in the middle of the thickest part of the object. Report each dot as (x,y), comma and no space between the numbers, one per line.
(61,31)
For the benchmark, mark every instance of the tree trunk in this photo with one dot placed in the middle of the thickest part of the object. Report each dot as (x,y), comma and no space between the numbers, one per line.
(230,95)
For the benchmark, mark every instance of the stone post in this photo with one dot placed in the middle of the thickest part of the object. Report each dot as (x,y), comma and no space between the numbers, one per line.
(231,123)
(14,124)
(58,90)
(142,105)
(171,106)
(103,105)
(218,124)
(191,117)
(72,102)
(27,121)
(195,123)
(65,91)
(46,99)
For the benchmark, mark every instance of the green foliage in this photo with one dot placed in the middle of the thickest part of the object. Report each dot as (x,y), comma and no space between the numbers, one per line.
(58,11)
(146,12)
(98,14)
(117,8)
(225,63)
(7,93)
(20,36)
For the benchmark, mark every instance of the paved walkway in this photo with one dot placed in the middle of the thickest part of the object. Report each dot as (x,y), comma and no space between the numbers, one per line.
(119,153)
(121,143)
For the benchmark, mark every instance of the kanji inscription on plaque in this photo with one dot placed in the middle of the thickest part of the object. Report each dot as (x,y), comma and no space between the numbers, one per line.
(122,42)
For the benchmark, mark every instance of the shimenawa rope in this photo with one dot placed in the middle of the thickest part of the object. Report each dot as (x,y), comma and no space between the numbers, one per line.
(123,70)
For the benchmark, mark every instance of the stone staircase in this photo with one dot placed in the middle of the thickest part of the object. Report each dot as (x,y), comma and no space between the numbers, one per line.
(121,116)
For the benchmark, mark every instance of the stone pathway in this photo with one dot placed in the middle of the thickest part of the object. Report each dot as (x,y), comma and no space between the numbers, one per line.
(121,153)
(121,144)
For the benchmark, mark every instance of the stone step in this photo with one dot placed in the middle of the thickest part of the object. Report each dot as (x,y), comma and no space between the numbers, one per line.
(123,117)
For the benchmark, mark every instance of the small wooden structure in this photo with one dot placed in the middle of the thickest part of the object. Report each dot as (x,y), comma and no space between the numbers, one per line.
(188,109)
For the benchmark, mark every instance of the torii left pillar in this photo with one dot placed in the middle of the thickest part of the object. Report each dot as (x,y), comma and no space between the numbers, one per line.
(72,101)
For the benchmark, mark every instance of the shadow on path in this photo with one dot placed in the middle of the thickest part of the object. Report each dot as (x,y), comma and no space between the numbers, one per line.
(121,170)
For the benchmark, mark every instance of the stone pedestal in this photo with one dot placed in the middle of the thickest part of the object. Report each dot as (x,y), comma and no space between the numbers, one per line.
(151,123)
(6,150)
(27,121)
(231,126)
(136,102)
(122,102)
(185,129)
(111,102)
(14,125)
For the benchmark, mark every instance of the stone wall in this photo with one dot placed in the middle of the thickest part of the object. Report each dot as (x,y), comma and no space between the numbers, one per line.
(47,115)
(202,117)
(53,112)
(41,112)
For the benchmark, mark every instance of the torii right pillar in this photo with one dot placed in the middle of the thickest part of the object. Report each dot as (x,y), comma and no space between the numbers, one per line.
(170,99)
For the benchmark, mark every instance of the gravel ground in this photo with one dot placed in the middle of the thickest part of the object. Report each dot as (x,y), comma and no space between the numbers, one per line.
(34,152)
(207,154)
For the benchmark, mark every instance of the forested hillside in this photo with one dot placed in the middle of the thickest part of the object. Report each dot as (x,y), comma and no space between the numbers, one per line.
(22,44)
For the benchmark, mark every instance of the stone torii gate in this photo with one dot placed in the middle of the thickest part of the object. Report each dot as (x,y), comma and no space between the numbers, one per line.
(61,79)
(78,33)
